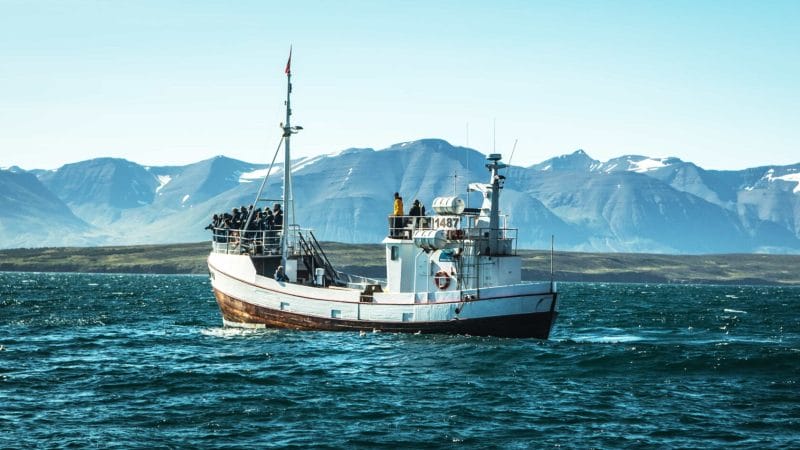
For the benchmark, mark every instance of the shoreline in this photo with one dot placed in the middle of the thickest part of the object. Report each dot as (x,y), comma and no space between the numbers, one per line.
(367,260)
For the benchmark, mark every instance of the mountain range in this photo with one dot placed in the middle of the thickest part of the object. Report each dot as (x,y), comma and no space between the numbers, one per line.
(627,204)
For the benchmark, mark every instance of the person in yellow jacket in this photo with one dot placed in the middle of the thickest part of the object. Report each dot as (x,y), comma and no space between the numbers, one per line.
(398,213)
(398,205)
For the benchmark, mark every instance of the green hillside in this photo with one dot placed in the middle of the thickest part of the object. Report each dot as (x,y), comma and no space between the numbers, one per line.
(367,259)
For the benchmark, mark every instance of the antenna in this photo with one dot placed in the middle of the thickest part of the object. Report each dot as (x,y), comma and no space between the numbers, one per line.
(466,165)
(494,135)
(512,151)
(552,250)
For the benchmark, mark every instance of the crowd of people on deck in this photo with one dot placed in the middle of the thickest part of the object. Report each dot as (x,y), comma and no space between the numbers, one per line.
(247,223)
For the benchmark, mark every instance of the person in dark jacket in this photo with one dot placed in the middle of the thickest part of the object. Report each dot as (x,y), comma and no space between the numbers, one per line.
(415,209)
(225,233)
(267,226)
(277,217)
(280,275)
(269,220)
(236,219)
(215,223)
(252,230)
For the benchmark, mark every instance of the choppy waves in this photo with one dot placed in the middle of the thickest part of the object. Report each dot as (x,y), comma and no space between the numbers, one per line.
(126,361)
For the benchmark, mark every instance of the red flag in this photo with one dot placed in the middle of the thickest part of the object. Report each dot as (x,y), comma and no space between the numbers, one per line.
(289,62)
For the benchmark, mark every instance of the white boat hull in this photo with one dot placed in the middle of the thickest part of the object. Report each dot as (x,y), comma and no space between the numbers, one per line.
(247,299)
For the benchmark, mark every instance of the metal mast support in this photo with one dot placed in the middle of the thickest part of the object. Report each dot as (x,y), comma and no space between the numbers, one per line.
(288,199)
(496,183)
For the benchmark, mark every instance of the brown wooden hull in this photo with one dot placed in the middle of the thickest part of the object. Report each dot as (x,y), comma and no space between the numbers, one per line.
(536,325)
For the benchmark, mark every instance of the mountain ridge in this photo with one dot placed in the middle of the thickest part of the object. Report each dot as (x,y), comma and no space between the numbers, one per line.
(628,203)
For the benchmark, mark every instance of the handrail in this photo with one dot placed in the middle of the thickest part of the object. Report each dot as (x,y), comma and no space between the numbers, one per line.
(240,241)
(311,247)
(404,227)
(326,262)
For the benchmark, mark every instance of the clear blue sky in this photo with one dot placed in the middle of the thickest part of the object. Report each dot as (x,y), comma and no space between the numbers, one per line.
(171,82)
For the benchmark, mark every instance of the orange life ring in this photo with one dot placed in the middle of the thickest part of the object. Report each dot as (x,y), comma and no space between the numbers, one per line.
(442,280)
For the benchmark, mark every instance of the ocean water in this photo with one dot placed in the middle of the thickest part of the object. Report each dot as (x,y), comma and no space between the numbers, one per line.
(121,361)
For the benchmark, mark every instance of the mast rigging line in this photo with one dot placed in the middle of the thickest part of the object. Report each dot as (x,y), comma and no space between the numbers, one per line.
(264,181)
(512,151)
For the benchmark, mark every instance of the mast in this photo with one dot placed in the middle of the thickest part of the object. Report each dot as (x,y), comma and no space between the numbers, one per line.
(495,183)
(288,200)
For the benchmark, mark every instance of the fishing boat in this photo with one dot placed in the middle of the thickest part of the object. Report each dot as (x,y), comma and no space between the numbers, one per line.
(456,271)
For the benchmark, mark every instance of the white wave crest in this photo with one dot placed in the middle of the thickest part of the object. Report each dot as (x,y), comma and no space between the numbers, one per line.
(234,332)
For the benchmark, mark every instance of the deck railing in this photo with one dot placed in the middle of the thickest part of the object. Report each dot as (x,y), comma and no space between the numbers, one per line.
(254,242)
(268,243)
(457,228)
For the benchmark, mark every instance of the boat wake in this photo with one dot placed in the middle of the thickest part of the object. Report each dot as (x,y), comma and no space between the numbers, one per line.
(231,332)
(598,338)
(621,339)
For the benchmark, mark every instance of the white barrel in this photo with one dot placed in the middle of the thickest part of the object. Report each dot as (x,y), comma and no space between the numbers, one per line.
(319,274)
(430,238)
(448,205)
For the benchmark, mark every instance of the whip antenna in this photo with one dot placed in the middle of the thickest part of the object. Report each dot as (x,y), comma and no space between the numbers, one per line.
(512,151)
(552,250)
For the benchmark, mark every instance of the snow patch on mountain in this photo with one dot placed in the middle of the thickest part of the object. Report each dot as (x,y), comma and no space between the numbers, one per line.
(647,165)
(258,174)
(347,177)
(277,169)
(162,181)
(305,162)
(669,206)
(791,177)
(635,163)
(349,151)
(769,177)
(610,168)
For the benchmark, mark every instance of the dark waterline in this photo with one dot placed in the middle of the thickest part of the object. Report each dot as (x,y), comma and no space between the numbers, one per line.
(119,361)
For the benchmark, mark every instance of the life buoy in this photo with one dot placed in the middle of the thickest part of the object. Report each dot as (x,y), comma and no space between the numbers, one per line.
(442,280)
(455,235)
